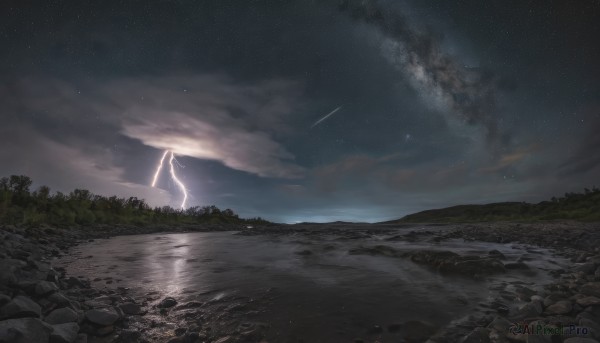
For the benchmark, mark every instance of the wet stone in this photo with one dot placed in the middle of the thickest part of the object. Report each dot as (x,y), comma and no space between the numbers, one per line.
(64,333)
(103,316)
(61,316)
(19,307)
(560,307)
(45,287)
(24,330)
(167,303)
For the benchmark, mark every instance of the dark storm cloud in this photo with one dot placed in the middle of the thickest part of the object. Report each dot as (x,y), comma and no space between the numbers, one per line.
(468,93)
(203,116)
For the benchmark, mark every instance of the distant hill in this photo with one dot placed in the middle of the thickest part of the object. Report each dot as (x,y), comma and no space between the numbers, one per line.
(573,206)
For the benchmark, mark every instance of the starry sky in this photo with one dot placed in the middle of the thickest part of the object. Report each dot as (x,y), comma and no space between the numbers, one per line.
(435,103)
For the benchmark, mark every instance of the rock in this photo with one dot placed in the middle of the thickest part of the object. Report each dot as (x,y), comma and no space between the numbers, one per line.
(478,335)
(20,306)
(529,310)
(167,303)
(597,274)
(62,316)
(586,268)
(102,316)
(64,333)
(131,308)
(24,330)
(496,254)
(500,324)
(226,339)
(59,299)
(588,301)
(560,307)
(45,287)
(591,288)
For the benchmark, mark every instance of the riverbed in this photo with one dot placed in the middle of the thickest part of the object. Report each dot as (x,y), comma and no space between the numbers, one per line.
(299,287)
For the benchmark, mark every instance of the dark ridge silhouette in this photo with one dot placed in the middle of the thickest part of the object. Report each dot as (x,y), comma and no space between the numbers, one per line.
(573,206)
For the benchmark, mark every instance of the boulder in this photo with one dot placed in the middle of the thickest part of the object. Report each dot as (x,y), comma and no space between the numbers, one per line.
(62,316)
(20,306)
(45,287)
(560,307)
(102,316)
(588,301)
(64,333)
(591,288)
(24,330)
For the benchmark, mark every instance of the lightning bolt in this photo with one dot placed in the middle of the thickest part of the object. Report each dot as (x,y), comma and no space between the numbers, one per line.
(159,168)
(173,175)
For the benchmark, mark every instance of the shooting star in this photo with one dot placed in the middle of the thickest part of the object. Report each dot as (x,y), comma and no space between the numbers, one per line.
(325,117)
(173,175)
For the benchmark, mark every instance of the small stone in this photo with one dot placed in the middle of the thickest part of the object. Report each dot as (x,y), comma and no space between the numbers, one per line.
(45,287)
(102,316)
(588,301)
(591,288)
(131,308)
(560,307)
(59,299)
(19,307)
(64,333)
(62,316)
(167,303)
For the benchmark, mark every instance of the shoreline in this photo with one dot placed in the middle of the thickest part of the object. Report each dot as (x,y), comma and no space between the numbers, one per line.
(72,311)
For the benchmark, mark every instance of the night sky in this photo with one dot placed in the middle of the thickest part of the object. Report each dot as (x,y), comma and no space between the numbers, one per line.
(436,103)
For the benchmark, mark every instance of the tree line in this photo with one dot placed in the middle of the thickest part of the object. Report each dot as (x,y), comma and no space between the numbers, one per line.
(21,206)
(583,206)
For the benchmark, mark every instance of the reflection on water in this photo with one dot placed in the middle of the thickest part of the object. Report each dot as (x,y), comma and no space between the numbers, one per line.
(304,286)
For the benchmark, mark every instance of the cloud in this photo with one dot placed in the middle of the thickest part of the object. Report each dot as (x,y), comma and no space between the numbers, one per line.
(443,81)
(65,167)
(203,116)
(510,159)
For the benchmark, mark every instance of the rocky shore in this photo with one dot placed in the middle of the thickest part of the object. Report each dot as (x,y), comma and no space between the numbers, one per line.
(41,303)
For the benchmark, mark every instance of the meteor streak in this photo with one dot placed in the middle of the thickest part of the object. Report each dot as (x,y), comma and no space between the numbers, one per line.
(325,117)
(173,175)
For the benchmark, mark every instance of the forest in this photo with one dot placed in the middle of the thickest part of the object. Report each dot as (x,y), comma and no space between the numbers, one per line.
(21,206)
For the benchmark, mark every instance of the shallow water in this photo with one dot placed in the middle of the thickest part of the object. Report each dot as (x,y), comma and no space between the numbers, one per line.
(305,287)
